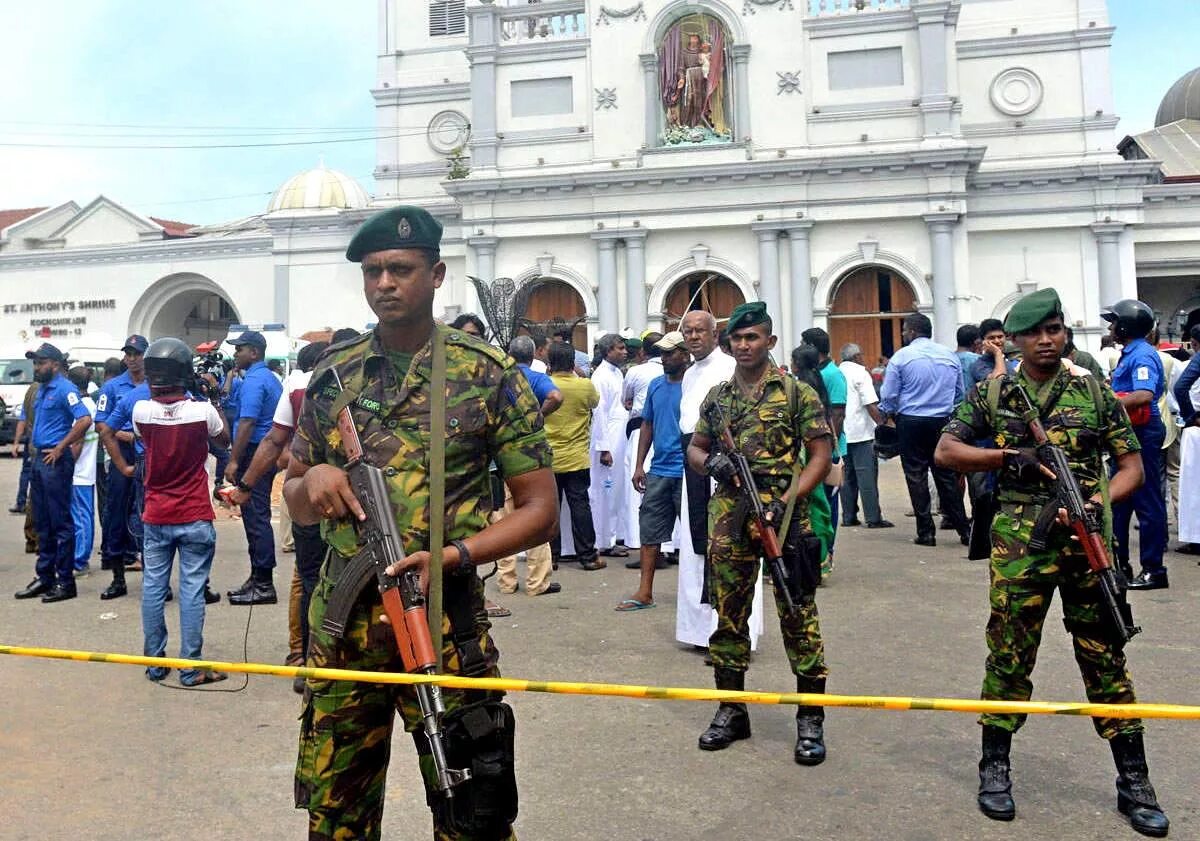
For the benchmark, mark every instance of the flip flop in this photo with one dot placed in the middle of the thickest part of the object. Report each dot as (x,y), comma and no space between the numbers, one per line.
(203,678)
(627,605)
(497,611)
(615,552)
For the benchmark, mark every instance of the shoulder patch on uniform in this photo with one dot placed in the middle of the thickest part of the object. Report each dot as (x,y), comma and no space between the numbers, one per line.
(458,337)
(72,398)
(102,402)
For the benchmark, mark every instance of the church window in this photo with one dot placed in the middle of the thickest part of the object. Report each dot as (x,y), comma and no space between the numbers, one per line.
(541,97)
(879,68)
(694,71)
(447,17)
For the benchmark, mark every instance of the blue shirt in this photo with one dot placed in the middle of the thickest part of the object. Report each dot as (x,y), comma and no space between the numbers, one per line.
(982,368)
(120,417)
(1140,369)
(258,397)
(662,410)
(56,408)
(923,379)
(539,382)
(835,387)
(110,395)
(1183,389)
(966,361)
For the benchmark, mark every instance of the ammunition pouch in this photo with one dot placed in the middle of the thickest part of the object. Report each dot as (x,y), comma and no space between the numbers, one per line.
(481,738)
(1103,628)
(802,560)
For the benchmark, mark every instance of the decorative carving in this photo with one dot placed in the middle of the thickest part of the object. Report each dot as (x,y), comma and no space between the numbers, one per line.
(607,15)
(867,249)
(748,5)
(1016,92)
(545,262)
(606,98)
(447,131)
(700,256)
(788,82)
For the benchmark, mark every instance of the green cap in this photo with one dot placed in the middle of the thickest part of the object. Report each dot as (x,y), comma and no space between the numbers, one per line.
(747,315)
(396,227)
(1032,310)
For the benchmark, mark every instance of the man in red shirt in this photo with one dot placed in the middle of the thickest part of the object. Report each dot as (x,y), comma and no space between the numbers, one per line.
(178,513)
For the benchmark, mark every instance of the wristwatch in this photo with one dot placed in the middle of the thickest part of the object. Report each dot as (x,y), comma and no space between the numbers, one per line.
(465,567)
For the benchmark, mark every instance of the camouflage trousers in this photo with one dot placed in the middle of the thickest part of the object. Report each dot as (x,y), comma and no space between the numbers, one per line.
(734,565)
(346,728)
(1022,587)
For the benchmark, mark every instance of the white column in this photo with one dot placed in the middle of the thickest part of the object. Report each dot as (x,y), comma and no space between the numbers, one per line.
(606,282)
(932,18)
(741,92)
(635,280)
(1108,255)
(800,260)
(941,246)
(768,270)
(481,56)
(483,249)
(650,99)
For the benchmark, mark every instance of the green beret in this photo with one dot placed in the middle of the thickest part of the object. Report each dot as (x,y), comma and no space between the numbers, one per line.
(633,343)
(747,315)
(1032,310)
(396,227)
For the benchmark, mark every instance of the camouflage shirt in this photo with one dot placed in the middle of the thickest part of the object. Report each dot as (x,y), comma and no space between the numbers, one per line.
(491,415)
(1073,423)
(768,428)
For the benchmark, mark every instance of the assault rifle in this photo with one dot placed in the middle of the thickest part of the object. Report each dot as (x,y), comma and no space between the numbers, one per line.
(750,507)
(1083,520)
(403,601)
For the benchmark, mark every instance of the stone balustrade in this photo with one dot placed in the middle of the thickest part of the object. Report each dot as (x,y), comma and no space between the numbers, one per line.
(531,21)
(831,8)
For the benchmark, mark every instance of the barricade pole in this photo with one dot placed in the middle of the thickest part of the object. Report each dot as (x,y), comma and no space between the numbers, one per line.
(656,693)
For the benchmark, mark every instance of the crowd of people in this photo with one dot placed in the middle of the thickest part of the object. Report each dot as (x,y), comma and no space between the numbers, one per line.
(692,447)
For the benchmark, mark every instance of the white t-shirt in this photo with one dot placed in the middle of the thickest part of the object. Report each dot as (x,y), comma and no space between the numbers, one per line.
(698,381)
(292,397)
(539,366)
(637,383)
(85,465)
(859,426)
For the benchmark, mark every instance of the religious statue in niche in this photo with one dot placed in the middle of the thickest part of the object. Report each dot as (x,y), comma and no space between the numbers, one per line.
(694,82)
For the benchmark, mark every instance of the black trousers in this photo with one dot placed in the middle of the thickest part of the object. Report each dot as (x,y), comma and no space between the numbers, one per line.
(699,489)
(918,440)
(310,554)
(574,485)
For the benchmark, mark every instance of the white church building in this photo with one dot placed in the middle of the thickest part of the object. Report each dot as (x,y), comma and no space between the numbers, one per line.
(845,161)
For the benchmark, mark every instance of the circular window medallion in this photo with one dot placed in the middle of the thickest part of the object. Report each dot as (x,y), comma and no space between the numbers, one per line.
(448,130)
(1016,92)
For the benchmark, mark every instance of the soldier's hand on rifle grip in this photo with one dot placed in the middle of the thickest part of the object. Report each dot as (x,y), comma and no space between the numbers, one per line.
(329,493)
(721,467)
(773,511)
(1026,465)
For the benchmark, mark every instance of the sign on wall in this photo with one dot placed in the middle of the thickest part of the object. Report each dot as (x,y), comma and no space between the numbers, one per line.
(57,318)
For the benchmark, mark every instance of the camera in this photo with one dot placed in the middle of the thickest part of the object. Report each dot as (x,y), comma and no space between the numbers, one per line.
(208,367)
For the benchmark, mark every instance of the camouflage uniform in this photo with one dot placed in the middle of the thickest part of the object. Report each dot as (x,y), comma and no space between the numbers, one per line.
(1023,582)
(491,414)
(770,430)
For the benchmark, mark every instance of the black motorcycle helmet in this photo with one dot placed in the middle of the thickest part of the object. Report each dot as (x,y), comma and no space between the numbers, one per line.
(168,364)
(1134,319)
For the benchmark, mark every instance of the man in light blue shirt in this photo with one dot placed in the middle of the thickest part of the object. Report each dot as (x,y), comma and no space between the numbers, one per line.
(921,387)
(968,340)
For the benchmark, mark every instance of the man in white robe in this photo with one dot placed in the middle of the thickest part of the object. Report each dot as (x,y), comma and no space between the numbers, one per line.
(695,620)
(607,490)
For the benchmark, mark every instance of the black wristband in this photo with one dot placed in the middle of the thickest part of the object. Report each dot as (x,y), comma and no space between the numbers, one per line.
(464,558)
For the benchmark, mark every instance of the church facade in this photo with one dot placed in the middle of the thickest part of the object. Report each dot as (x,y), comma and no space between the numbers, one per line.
(845,161)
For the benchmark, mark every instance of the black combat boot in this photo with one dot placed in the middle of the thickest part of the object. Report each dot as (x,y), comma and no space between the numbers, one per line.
(731,722)
(1135,795)
(810,724)
(995,786)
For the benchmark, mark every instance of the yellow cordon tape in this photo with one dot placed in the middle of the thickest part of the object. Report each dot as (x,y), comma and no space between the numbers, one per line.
(656,693)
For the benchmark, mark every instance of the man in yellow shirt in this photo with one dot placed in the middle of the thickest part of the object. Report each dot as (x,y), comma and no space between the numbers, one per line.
(569,432)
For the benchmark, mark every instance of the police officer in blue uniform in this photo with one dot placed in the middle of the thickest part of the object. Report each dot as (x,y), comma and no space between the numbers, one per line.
(1139,382)
(257,398)
(117,545)
(60,420)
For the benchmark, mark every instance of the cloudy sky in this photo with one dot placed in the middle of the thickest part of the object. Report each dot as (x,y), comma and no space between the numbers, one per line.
(78,74)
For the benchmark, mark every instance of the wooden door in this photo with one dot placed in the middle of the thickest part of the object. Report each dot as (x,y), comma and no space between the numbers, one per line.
(705,291)
(555,299)
(867,309)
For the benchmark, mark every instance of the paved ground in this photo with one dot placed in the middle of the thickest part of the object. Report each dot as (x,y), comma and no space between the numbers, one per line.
(95,751)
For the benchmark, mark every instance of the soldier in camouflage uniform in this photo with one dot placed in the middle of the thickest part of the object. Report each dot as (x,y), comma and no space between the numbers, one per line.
(1085,419)
(776,423)
(491,415)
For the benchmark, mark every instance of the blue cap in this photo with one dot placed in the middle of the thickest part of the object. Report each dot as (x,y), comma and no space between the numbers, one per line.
(136,343)
(250,337)
(46,351)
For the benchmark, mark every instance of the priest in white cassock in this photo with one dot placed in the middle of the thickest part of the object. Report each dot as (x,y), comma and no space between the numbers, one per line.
(638,377)
(695,620)
(607,491)
(1187,395)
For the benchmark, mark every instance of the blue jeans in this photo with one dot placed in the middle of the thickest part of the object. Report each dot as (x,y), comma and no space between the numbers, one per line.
(196,543)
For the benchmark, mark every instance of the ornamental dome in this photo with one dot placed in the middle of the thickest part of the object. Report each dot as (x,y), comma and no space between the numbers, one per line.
(317,189)
(1182,101)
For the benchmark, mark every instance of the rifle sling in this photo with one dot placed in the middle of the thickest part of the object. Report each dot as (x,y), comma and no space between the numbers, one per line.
(437,486)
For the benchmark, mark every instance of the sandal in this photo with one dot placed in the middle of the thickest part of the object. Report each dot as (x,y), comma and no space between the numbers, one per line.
(615,551)
(496,611)
(202,678)
(627,605)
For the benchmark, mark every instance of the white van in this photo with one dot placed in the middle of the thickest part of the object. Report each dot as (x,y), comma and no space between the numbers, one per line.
(92,350)
(16,375)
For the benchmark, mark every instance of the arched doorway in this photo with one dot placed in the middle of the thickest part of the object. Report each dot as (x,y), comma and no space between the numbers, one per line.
(708,291)
(553,300)
(189,307)
(868,305)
